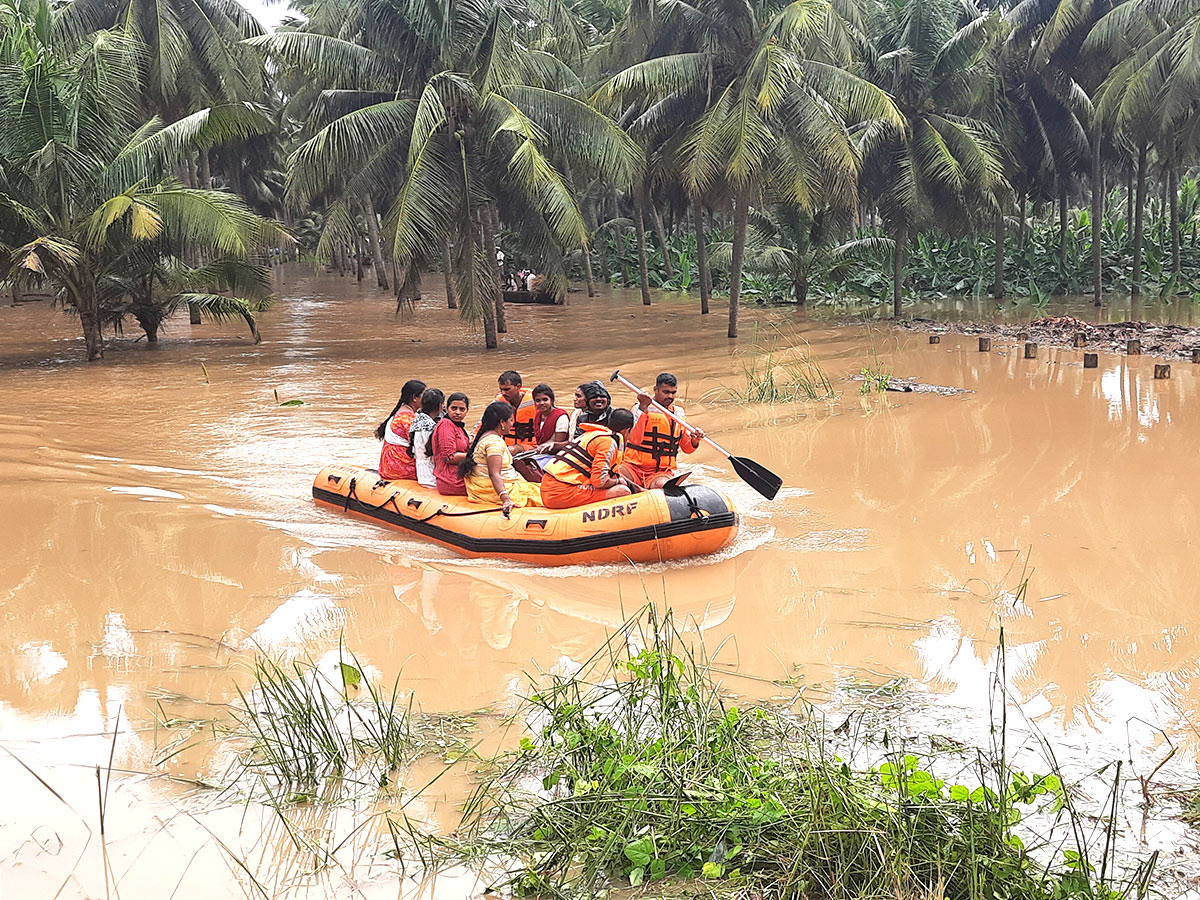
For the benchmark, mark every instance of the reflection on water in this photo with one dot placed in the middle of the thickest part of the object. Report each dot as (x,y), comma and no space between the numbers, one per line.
(164,528)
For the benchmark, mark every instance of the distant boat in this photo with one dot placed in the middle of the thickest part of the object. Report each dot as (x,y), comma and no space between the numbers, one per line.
(530,297)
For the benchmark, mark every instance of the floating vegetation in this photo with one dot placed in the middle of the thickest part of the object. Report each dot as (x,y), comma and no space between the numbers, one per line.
(777,369)
(638,770)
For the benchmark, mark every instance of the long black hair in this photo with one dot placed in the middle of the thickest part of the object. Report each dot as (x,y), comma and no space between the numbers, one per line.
(496,412)
(412,389)
(431,404)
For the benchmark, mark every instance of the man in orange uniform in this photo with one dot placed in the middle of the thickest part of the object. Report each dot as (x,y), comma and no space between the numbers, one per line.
(585,470)
(652,455)
(521,400)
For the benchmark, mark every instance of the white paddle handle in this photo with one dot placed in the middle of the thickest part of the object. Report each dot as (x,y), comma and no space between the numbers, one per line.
(637,390)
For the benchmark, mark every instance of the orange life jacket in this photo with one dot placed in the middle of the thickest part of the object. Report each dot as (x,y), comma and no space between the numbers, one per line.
(660,442)
(589,460)
(522,430)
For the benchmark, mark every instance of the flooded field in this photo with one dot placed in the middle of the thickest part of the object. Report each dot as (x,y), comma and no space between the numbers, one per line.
(158,532)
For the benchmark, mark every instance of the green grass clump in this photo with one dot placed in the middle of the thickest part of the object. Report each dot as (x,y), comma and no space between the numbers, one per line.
(777,369)
(639,770)
(303,727)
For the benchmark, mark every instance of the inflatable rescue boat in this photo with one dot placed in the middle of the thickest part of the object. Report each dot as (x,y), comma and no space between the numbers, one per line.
(674,523)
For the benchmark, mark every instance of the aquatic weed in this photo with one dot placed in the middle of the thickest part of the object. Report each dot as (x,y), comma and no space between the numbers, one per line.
(638,769)
(777,369)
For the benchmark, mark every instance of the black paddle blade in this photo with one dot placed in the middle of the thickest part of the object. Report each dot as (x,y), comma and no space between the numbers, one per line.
(757,476)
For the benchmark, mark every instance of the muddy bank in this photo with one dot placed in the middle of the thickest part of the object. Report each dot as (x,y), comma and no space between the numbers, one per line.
(1166,341)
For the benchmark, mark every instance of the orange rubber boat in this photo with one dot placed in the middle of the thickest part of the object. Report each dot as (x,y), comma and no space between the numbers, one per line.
(679,522)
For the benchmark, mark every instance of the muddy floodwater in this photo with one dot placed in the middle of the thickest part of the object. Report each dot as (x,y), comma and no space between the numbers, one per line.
(158,531)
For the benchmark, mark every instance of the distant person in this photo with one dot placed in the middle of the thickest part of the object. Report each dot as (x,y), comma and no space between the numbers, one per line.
(585,471)
(421,435)
(396,462)
(487,470)
(550,423)
(652,455)
(449,444)
(521,400)
(599,406)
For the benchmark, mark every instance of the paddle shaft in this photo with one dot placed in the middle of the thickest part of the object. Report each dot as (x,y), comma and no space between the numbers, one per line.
(637,390)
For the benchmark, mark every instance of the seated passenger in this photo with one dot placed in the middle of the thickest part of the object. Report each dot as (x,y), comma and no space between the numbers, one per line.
(585,471)
(550,422)
(652,455)
(420,435)
(395,460)
(487,471)
(599,405)
(521,400)
(450,443)
(580,406)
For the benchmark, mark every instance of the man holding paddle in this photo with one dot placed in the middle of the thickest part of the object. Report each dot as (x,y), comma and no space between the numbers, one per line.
(652,454)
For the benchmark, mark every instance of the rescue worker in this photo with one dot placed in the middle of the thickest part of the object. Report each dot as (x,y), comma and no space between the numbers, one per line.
(652,455)
(585,471)
(521,400)
(395,460)
(599,406)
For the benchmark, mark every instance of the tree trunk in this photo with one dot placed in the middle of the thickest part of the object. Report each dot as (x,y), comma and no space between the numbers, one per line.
(205,171)
(1173,200)
(448,271)
(1062,222)
(662,242)
(486,214)
(1139,223)
(89,318)
(800,287)
(1021,223)
(741,214)
(1129,199)
(639,226)
(702,257)
(359,274)
(589,218)
(151,329)
(1097,214)
(898,269)
(381,278)
(587,267)
(998,245)
(193,314)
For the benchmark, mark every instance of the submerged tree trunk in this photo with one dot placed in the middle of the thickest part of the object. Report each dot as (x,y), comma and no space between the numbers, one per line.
(1097,215)
(898,255)
(381,278)
(741,214)
(998,245)
(662,242)
(468,245)
(639,226)
(89,318)
(800,287)
(193,314)
(493,267)
(448,271)
(1173,201)
(702,257)
(589,218)
(1062,223)
(1139,223)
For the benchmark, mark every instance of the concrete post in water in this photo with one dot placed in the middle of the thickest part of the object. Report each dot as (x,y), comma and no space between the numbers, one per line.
(935,339)
(1080,339)
(1133,347)
(1162,370)
(1091,360)
(985,344)
(1196,354)
(1030,350)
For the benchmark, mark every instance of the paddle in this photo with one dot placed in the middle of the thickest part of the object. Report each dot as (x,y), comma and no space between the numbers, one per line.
(754,474)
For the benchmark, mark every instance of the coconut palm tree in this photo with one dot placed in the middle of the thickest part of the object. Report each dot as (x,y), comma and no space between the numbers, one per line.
(449,113)
(765,95)
(940,165)
(84,181)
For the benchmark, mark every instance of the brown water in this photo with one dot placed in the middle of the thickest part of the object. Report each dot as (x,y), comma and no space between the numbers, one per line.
(158,527)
